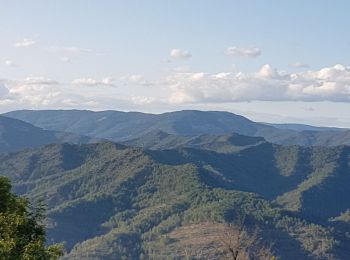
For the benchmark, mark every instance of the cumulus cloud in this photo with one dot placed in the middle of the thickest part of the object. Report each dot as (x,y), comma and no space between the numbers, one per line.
(32,91)
(267,84)
(135,79)
(35,95)
(42,93)
(24,43)
(250,52)
(10,63)
(178,88)
(93,82)
(178,54)
(299,65)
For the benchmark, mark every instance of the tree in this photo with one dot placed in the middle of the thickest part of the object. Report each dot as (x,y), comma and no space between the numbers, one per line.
(239,243)
(22,234)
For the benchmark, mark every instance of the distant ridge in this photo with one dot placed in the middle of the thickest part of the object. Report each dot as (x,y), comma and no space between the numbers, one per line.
(122,126)
(16,135)
(303,127)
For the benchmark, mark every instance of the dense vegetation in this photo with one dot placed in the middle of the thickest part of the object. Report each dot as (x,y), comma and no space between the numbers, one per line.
(22,235)
(155,204)
(122,126)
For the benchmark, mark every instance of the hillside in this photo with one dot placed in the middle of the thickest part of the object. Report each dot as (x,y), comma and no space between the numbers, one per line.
(17,135)
(121,126)
(159,140)
(142,204)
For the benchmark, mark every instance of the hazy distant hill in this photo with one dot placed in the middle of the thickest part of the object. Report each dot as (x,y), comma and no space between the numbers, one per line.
(301,127)
(17,135)
(122,126)
(107,200)
(117,126)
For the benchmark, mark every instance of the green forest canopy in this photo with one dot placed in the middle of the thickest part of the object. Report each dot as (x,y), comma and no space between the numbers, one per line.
(22,234)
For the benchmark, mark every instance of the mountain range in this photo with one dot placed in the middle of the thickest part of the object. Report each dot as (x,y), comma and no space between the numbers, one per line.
(17,135)
(172,182)
(121,126)
(141,203)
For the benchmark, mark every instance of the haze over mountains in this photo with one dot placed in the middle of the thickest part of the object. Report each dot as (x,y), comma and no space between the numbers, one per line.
(17,135)
(176,178)
(302,127)
(121,126)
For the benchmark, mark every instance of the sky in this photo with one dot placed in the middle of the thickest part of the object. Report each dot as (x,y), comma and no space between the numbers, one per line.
(274,61)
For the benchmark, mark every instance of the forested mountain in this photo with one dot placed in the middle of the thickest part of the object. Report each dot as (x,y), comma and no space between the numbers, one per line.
(159,140)
(17,135)
(108,200)
(119,126)
(122,126)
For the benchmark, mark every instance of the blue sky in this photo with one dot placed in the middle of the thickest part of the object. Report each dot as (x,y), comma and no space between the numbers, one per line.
(269,60)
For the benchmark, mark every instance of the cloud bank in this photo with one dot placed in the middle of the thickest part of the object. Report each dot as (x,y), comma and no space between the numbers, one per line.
(93,82)
(179,88)
(267,84)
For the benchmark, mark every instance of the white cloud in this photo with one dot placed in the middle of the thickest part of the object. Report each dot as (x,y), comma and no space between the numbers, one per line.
(181,88)
(299,65)
(32,91)
(93,82)
(267,84)
(10,63)
(142,100)
(250,52)
(39,81)
(135,79)
(25,43)
(36,95)
(41,93)
(178,54)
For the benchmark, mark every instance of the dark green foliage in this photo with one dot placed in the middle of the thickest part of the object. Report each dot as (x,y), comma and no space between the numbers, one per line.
(22,236)
(159,140)
(109,201)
